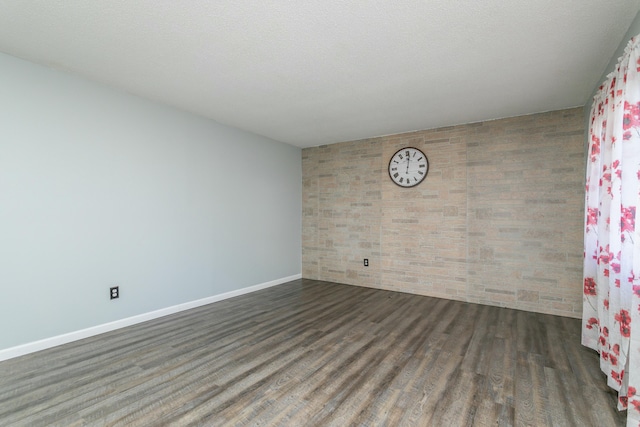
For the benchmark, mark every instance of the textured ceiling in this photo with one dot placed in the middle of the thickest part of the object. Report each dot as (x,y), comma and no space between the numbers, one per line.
(317,72)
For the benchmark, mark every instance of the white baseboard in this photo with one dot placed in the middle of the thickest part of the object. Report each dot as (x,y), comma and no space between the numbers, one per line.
(32,347)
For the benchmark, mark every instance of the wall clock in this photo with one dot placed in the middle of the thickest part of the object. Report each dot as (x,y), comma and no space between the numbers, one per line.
(408,167)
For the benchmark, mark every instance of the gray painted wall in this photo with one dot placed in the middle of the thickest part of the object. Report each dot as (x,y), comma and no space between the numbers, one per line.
(98,188)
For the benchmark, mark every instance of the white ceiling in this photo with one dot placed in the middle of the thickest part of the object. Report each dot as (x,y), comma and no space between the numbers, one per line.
(317,72)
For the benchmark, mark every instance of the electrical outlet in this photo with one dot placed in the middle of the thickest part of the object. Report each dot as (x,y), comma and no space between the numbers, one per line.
(114,292)
(366,262)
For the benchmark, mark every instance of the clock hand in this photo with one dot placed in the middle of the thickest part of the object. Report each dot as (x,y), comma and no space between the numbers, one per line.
(408,160)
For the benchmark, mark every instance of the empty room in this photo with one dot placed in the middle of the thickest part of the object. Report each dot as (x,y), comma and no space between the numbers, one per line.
(319,213)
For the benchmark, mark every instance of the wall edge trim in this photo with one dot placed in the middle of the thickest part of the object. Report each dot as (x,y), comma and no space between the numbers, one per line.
(43,344)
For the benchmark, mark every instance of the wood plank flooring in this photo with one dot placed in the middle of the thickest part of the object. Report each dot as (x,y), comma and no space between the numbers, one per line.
(311,353)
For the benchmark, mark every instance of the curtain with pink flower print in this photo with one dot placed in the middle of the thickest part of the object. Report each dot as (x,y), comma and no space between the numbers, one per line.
(611,317)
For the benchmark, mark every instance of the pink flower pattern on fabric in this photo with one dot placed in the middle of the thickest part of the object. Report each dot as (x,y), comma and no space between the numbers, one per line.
(611,289)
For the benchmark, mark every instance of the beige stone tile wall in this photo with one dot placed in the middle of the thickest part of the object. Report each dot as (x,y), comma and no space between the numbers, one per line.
(497,221)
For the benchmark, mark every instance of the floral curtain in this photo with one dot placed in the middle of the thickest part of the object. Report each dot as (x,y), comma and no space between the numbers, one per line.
(611,316)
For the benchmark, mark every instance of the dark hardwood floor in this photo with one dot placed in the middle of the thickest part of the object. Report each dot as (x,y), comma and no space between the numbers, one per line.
(315,353)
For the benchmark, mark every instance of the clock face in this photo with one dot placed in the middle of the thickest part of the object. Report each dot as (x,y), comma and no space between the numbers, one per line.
(408,167)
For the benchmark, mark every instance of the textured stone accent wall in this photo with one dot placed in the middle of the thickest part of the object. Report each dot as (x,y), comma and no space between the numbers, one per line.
(497,221)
